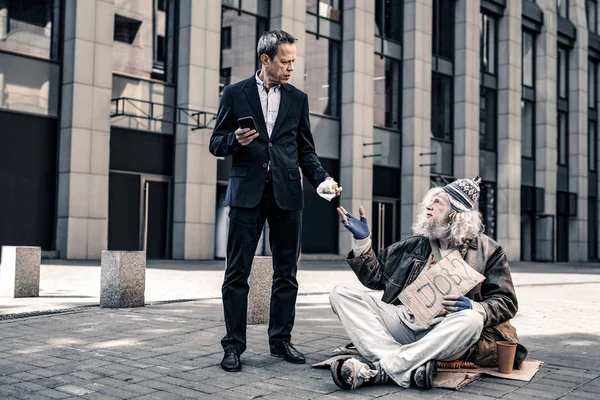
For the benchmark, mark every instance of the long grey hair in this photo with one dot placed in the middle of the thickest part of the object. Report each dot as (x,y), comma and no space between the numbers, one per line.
(462,227)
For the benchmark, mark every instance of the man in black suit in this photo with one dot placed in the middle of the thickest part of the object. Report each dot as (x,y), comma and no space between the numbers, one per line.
(265,184)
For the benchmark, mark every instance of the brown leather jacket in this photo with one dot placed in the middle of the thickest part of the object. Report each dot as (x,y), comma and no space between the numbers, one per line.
(401,263)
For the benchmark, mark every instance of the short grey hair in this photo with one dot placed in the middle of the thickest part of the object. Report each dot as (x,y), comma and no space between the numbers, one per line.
(269,42)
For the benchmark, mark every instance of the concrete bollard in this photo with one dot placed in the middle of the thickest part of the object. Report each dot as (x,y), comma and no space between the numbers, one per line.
(123,279)
(259,298)
(20,271)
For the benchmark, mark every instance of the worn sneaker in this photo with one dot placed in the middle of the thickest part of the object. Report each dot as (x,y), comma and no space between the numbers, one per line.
(350,373)
(425,374)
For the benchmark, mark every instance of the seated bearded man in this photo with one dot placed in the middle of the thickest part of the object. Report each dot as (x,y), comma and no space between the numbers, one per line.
(386,333)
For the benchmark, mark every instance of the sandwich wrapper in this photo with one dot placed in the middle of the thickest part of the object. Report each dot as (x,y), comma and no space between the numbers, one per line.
(327,189)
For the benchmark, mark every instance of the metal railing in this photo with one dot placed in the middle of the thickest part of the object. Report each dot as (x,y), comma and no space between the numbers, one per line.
(144,109)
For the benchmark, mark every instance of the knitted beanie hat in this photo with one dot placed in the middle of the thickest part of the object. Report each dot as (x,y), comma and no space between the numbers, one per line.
(463,193)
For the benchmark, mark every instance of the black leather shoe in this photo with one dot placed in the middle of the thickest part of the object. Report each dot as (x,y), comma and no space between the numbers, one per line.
(231,361)
(287,351)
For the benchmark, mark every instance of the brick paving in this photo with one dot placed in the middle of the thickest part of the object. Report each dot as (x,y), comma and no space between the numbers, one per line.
(172,351)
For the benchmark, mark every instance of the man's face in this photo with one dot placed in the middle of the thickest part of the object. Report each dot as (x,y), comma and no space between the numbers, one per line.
(280,68)
(437,210)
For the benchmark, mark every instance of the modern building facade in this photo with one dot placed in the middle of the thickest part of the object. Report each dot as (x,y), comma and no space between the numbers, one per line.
(107,107)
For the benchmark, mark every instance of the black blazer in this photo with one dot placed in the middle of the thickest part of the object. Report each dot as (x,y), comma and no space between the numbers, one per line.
(291,145)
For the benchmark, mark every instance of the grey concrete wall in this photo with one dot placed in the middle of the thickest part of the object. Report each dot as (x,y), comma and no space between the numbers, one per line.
(82,220)
(509,130)
(578,132)
(195,173)
(416,108)
(357,111)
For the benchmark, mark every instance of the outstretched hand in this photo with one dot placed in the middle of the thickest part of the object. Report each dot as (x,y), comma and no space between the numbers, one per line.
(358,227)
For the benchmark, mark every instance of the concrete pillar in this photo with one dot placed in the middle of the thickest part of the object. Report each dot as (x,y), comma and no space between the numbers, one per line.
(82,220)
(508,193)
(578,132)
(356,175)
(416,109)
(3,19)
(195,173)
(123,279)
(466,89)
(259,296)
(290,15)
(20,271)
(546,123)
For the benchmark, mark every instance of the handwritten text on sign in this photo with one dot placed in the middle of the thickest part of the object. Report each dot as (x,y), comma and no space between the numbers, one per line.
(451,276)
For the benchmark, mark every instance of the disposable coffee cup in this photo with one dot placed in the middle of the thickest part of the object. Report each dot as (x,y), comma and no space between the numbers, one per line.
(506,356)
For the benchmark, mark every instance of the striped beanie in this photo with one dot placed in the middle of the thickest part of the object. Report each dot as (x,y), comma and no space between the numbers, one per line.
(463,193)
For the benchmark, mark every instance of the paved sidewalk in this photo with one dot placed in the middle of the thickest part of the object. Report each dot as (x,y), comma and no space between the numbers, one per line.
(172,351)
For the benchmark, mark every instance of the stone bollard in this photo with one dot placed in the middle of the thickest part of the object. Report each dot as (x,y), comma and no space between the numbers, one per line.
(259,298)
(123,279)
(20,271)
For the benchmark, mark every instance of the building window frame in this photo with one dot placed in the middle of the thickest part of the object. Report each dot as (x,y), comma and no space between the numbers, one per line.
(488,38)
(385,12)
(591,13)
(262,25)
(55,11)
(563,106)
(443,29)
(334,87)
(392,98)
(562,8)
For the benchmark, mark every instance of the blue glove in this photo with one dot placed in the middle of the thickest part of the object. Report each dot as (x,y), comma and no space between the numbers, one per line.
(358,227)
(456,303)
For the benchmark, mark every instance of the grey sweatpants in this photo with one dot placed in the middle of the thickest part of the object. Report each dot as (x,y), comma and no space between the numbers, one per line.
(388,334)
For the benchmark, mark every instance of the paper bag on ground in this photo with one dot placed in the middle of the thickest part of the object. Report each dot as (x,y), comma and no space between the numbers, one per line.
(451,276)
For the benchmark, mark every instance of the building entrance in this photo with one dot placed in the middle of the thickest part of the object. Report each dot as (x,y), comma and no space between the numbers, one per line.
(139,213)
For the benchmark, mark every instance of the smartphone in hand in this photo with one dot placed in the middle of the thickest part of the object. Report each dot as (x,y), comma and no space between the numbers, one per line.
(247,122)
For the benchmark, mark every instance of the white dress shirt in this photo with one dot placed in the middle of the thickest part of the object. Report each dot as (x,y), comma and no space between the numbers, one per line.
(269,101)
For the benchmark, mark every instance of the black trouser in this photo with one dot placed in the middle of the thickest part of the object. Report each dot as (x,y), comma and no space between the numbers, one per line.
(245,228)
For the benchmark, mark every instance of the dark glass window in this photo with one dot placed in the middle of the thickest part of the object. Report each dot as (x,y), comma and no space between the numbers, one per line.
(224,79)
(226,38)
(563,134)
(563,72)
(528,59)
(240,59)
(487,119)
(592,145)
(387,85)
(562,8)
(527,129)
(159,30)
(126,29)
(443,28)
(488,41)
(591,9)
(592,84)
(388,19)
(160,50)
(442,106)
(161,5)
(487,208)
(322,75)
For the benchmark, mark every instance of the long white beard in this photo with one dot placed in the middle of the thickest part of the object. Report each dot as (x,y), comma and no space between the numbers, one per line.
(432,228)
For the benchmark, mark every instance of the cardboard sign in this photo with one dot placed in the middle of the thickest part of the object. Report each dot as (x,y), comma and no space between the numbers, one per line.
(451,276)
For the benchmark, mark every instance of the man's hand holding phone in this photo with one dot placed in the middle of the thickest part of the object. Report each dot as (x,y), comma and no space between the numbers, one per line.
(246,133)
